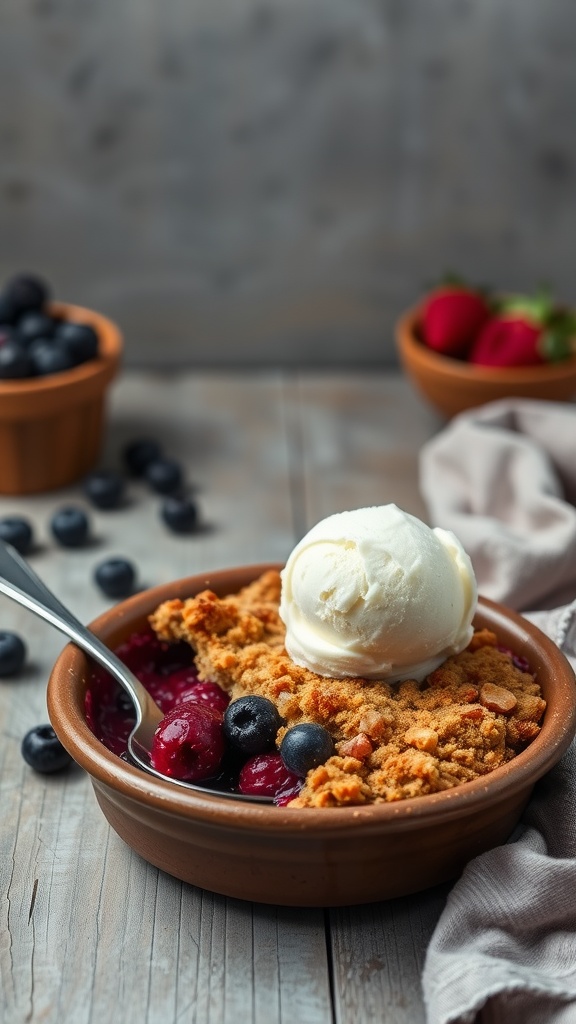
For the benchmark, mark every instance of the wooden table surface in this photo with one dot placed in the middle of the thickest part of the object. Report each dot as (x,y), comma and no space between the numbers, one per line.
(91,933)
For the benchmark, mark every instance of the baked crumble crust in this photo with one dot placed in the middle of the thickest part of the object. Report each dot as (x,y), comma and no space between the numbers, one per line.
(393,742)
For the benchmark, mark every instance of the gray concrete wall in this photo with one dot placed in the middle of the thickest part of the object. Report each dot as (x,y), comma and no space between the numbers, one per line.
(252,182)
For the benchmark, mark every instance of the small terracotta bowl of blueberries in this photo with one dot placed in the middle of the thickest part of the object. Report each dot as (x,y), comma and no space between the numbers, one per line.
(222,835)
(57,361)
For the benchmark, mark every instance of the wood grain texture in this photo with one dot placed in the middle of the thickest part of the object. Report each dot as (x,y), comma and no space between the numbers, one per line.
(90,932)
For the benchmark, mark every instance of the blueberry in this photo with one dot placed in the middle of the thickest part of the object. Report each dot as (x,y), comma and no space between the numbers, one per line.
(179,514)
(164,475)
(42,750)
(79,340)
(305,746)
(15,363)
(35,325)
(115,577)
(104,488)
(8,333)
(8,312)
(70,526)
(251,723)
(12,653)
(17,532)
(139,453)
(47,357)
(26,291)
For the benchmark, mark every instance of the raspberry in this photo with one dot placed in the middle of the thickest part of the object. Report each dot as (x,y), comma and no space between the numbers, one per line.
(267,775)
(207,693)
(189,744)
(285,796)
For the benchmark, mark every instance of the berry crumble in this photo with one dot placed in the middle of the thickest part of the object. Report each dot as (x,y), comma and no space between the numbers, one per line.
(338,741)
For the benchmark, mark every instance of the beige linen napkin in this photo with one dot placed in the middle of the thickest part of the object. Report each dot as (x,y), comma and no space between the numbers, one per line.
(503,478)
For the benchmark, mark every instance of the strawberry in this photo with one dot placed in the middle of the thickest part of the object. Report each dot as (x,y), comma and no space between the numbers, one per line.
(524,332)
(507,341)
(452,315)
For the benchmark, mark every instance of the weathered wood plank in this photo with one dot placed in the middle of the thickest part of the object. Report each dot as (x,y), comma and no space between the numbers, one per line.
(378,955)
(358,437)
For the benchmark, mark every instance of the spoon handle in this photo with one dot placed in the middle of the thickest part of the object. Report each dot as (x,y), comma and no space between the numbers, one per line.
(19,582)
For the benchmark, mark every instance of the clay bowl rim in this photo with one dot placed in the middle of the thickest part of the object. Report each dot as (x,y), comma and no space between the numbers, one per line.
(110,348)
(65,708)
(410,344)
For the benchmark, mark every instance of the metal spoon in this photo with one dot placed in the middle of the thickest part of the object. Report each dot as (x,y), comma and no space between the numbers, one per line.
(19,582)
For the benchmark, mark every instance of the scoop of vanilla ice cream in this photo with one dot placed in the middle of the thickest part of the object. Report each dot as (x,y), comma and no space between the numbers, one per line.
(376,593)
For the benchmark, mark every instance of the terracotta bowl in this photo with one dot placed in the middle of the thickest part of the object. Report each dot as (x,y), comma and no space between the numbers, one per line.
(51,428)
(308,857)
(452,386)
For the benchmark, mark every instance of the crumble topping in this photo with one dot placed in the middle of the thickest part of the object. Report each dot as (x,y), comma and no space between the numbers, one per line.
(392,741)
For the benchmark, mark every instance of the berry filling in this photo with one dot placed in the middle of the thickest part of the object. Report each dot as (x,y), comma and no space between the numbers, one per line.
(206,693)
(167,672)
(200,739)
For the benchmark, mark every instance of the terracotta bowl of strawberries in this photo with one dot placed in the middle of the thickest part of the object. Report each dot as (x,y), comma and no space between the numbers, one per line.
(309,856)
(462,348)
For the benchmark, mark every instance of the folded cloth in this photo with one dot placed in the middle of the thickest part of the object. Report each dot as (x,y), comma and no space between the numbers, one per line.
(503,478)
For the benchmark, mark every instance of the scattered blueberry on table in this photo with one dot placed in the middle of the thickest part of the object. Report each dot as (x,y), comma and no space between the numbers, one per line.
(18,532)
(12,653)
(42,750)
(104,488)
(70,526)
(115,577)
(144,457)
(137,454)
(164,475)
(305,746)
(180,514)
